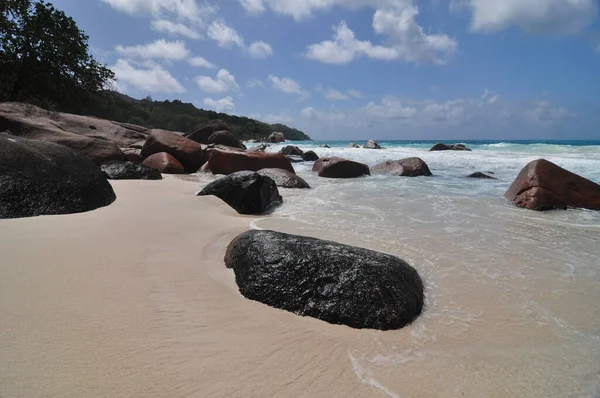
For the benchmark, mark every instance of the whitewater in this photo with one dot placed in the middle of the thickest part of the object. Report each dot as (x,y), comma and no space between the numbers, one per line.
(512,294)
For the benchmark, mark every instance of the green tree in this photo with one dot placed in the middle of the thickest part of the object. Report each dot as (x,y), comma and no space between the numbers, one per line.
(44,57)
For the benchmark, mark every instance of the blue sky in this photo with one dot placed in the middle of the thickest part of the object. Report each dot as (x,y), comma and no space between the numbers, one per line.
(349,69)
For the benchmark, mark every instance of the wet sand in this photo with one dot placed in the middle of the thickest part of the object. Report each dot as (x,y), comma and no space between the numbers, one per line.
(134,300)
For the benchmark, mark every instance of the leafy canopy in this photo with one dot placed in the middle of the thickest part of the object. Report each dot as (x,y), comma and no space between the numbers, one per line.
(44,57)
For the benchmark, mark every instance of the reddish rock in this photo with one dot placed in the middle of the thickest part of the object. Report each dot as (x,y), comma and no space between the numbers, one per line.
(334,167)
(165,163)
(228,162)
(202,134)
(411,167)
(226,138)
(542,185)
(189,153)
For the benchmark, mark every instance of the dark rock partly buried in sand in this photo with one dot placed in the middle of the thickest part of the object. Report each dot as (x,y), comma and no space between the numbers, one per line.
(38,178)
(228,162)
(334,167)
(189,153)
(444,147)
(372,145)
(542,185)
(165,163)
(246,191)
(284,178)
(226,138)
(310,156)
(130,171)
(326,280)
(481,175)
(410,167)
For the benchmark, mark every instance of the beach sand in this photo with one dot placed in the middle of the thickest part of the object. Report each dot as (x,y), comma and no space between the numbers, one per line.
(134,300)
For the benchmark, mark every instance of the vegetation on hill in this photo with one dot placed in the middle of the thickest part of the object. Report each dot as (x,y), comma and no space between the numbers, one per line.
(45,60)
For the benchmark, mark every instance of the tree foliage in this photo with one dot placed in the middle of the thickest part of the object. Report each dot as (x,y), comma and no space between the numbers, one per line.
(44,57)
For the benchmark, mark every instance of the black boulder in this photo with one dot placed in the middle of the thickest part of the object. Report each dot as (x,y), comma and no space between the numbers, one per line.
(130,171)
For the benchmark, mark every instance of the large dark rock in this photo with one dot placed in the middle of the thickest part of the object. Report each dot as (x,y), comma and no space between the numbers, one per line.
(444,147)
(372,145)
(165,163)
(133,155)
(43,178)
(542,185)
(353,145)
(226,138)
(276,138)
(326,280)
(246,191)
(189,153)
(334,167)
(202,134)
(291,150)
(310,156)
(130,171)
(284,178)
(228,162)
(410,167)
(481,175)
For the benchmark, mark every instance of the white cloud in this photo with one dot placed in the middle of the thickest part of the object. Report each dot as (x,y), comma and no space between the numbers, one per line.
(224,35)
(201,63)
(224,82)
(288,86)
(224,105)
(280,118)
(254,83)
(181,9)
(556,17)
(160,49)
(545,113)
(152,78)
(390,108)
(260,49)
(310,113)
(355,93)
(335,95)
(163,25)
(253,6)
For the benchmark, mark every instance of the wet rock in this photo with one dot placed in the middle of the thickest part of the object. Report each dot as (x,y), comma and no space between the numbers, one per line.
(372,145)
(258,148)
(444,147)
(481,176)
(130,171)
(295,159)
(310,156)
(292,151)
(189,153)
(324,146)
(334,167)
(542,185)
(226,138)
(228,162)
(336,283)
(276,138)
(353,145)
(202,134)
(410,167)
(246,191)
(284,178)
(165,163)
(44,178)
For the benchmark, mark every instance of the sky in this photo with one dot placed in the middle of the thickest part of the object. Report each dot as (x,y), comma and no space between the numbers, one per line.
(357,69)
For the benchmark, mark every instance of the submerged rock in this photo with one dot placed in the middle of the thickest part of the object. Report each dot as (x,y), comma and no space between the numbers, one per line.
(130,171)
(43,178)
(481,175)
(324,146)
(330,281)
(542,185)
(284,178)
(444,147)
(228,162)
(334,167)
(372,145)
(310,156)
(410,167)
(165,163)
(189,153)
(246,191)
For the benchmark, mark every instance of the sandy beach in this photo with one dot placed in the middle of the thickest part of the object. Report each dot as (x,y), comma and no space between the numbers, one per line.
(134,300)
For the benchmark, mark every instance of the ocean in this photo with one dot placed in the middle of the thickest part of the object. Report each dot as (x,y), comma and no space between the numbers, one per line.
(513,295)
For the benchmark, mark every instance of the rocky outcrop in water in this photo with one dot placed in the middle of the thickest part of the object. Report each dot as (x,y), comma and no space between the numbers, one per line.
(44,178)
(481,175)
(189,153)
(228,162)
(291,150)
(542,185)
(334,167)
(310,156)
(353,145)
(246,191)
(284,178)
(258,148)
(372,145)
(129,171)
(336,283)
(444,147)
(410,167)
(324,146)
(276,138)
(165,163)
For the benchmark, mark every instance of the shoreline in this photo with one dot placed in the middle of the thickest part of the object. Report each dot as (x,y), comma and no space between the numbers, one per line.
(134,299)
